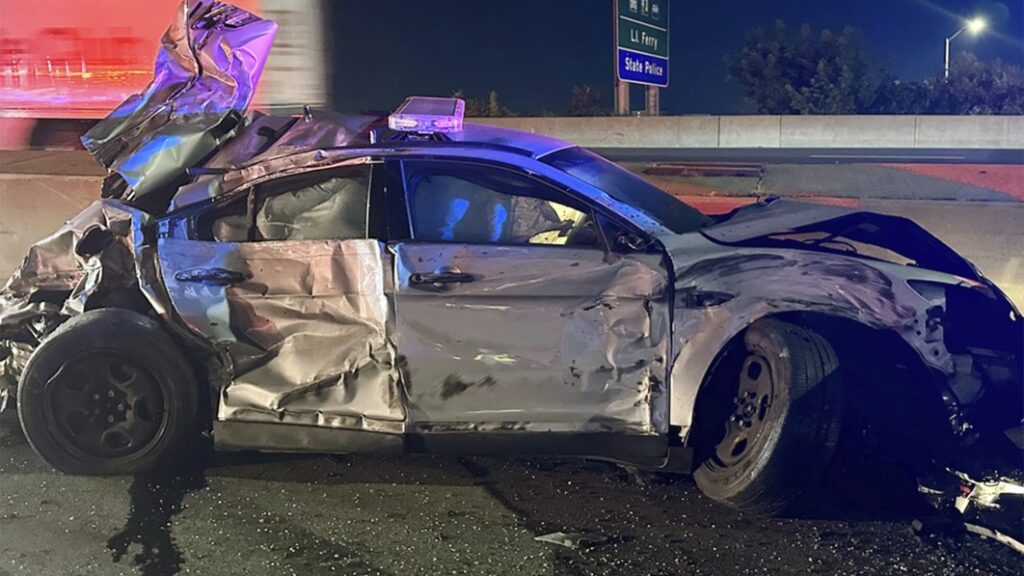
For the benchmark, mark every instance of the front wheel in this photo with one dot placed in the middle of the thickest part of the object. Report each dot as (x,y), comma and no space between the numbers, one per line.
(108,392)
(770,418)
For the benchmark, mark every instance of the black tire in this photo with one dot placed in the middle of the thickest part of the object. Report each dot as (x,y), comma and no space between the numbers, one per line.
(109,392)
(775,410)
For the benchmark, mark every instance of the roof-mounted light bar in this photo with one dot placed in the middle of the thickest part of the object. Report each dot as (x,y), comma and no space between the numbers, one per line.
(427,115)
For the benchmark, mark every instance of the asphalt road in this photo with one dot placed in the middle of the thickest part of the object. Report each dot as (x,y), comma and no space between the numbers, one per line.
(312,515)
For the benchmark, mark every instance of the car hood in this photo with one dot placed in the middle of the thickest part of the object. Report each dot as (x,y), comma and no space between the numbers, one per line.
(769,222)
(209,63)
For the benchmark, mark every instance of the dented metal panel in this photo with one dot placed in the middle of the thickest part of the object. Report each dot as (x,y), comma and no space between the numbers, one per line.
(753,224)
(60,275)
(750,284)
(303,322)
(206,73)
(544,339)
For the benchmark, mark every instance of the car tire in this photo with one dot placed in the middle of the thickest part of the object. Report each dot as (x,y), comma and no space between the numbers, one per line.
(109,392)
(773,438)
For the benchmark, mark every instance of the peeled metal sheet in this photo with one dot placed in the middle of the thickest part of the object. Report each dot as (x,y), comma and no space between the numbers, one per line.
(206,73)
(256,133)
(320,129)
(544,339)
(306,329)
(271,145)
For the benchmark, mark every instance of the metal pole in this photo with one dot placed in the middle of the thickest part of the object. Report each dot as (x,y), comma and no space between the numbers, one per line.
(948,40)
(653,101)
(621,88)
(622,98)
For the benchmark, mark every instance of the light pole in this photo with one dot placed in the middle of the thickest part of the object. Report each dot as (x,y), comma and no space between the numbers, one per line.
(974,26)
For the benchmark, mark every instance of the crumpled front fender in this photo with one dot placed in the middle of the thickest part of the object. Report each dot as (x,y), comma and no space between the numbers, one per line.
(56,282)
(717,298)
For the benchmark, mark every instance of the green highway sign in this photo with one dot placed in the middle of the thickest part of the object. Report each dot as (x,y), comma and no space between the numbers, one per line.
(641,29)
(644,31)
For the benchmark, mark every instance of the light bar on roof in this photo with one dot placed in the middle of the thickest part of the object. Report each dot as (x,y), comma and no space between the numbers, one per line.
(424,114)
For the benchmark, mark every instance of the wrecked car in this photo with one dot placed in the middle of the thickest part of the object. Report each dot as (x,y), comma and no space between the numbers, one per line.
(416,284)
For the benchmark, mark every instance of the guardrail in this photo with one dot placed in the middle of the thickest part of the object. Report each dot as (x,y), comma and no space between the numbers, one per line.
(983,132)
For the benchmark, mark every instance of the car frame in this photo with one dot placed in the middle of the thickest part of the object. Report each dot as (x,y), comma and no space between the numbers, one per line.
(644,333)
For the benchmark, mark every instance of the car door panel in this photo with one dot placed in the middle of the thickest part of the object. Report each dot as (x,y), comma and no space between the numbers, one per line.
(543,338)
(304,323)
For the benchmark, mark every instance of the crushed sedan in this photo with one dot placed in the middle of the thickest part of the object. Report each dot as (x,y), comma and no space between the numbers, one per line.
(413,283)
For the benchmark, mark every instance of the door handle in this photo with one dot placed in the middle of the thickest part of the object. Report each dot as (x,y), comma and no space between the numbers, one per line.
(439,279)
(214,276)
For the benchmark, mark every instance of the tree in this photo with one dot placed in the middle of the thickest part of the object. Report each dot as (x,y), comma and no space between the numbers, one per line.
(803,73)
(477,108)
(893,96)
(977,87)
(586,101)
(973,87)
(824,73)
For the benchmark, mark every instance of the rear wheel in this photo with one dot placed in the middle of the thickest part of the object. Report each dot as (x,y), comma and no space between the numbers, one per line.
(770,419)
(108,393)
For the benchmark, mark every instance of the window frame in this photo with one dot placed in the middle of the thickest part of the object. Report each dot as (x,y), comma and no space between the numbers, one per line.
(400,218)
(252,194)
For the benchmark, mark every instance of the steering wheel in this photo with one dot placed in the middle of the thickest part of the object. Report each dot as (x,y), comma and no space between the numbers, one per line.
(582,232)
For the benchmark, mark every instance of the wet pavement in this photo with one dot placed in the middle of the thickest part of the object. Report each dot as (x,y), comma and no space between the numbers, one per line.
(311,515)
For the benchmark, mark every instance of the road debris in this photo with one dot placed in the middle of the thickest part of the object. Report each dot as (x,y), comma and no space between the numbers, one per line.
(574,540)
(992,508)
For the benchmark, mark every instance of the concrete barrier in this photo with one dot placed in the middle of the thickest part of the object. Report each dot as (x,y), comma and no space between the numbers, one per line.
(750,132)
(969,132)
(847,132)
(622,131)
(987,132)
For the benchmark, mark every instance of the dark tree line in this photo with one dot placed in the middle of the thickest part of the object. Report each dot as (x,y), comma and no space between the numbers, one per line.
(478,108)
(808,71)
(585,100)
(821,72)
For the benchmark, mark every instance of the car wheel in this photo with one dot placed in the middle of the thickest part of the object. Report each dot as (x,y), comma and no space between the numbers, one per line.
(108,392)
(775,413)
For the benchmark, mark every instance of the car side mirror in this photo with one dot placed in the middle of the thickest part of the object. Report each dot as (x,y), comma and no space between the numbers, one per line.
(631,241)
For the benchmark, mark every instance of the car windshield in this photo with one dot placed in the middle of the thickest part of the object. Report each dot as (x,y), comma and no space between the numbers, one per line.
(629,188)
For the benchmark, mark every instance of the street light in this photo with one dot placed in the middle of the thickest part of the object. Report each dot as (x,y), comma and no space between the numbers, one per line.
(974,26)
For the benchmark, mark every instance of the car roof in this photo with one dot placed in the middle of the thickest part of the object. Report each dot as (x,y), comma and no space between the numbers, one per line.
(321,130)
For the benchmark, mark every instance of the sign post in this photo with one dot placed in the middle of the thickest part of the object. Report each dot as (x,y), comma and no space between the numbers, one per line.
(641,47)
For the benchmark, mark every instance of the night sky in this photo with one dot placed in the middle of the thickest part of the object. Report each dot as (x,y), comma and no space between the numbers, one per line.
(533,51)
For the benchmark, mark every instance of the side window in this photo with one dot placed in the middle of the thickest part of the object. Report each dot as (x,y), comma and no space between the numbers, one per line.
(318,206)
(315,208)
(478,204)
(226,223)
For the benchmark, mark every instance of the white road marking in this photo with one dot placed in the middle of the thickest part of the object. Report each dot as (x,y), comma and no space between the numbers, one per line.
(884,157)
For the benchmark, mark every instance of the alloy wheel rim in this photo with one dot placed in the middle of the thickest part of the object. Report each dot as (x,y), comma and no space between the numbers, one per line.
(105,405)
